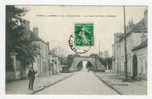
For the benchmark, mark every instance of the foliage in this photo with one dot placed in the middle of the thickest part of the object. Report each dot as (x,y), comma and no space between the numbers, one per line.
(70,58)
(53,52)
(14,25)
(108,62)
(104,61)
(18,37)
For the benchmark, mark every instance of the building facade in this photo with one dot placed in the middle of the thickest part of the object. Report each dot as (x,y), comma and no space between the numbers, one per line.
(41,63)
(140,59)
(134,38)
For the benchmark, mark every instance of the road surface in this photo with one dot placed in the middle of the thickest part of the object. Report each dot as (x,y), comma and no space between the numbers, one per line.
(82,82)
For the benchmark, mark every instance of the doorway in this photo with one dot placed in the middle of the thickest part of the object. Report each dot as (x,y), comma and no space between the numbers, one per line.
(135,67)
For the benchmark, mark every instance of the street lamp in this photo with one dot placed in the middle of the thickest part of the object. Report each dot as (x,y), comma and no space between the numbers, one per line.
(125,46)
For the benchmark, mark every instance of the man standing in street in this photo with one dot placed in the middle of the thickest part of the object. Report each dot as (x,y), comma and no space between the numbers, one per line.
(31,77)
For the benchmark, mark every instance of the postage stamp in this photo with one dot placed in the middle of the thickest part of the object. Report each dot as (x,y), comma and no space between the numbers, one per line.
(84,34)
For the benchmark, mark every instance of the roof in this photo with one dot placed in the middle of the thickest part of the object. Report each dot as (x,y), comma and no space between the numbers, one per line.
(140,27)
(141,45)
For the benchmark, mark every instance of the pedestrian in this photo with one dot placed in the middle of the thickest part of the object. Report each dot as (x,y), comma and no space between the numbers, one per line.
(31,77)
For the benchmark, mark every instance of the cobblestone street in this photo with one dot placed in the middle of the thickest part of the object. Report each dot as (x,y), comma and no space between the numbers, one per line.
(82,82)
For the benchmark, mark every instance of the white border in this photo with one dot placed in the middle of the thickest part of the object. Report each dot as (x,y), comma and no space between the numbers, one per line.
(80,2)
(71,2)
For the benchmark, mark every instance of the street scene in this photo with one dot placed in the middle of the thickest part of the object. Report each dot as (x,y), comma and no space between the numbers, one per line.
(82,82)
(76,50)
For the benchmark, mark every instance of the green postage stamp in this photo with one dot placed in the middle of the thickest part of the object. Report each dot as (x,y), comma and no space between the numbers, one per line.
(84,34)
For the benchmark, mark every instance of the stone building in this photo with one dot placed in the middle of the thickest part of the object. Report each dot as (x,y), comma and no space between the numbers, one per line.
(134,38)
(140,60)
(116,53)
(19,69)
(41,63)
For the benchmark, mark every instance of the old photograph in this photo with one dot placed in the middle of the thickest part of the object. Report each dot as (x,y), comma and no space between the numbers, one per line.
(76,50)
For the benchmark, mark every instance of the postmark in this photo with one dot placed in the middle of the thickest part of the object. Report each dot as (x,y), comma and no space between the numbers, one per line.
(77,49)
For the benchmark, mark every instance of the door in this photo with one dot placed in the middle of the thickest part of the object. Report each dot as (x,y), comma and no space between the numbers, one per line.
(135,69)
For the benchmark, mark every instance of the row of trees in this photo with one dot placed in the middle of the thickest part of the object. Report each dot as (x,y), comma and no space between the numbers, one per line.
(18,38)
(105,61)
(70,58)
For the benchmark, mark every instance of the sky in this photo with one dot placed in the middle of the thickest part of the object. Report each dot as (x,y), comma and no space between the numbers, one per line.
(56,23)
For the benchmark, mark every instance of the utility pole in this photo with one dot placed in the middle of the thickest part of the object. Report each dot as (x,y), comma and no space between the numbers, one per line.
(96,63)
(106,58)
(125,46)
(99,48)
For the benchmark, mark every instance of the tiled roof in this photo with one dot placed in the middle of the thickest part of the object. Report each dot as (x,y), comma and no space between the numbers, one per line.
(141,45)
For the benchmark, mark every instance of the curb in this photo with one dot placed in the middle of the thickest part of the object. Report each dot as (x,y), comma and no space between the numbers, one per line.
(46,86)
(108,84)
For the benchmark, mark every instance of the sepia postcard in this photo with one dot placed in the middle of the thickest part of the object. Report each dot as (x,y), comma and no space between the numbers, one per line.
(76,50)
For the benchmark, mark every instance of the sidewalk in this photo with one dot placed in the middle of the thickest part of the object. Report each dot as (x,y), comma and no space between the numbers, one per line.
(123,88)
(21,86)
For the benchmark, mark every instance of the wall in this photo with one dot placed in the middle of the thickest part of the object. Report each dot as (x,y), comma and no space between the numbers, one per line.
(42,60)
(142,62)
(133,40)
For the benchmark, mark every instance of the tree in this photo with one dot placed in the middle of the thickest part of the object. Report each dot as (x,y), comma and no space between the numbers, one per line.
(12,27)
(104,61)
(69,60)
(109,62)
(17,38)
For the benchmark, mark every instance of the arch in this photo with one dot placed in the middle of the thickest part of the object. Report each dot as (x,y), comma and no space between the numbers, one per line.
(95,63)
(80,65)
(135,66)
